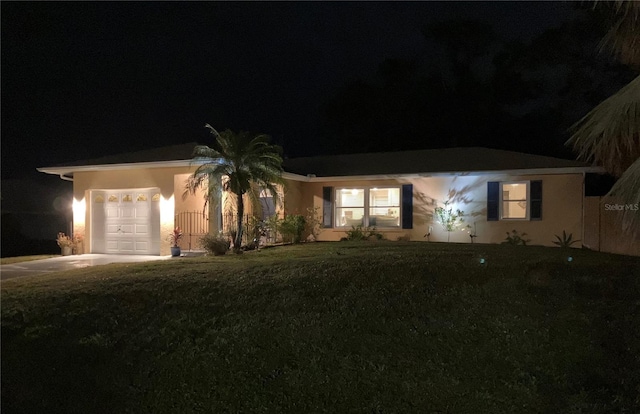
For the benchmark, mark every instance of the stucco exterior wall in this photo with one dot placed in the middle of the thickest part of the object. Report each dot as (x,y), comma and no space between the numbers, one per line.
(604,228)
(185,201)
(164,179)
(561,207)
(294,198)
(562,203)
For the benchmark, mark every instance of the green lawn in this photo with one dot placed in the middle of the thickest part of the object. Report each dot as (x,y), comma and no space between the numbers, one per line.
(371,327)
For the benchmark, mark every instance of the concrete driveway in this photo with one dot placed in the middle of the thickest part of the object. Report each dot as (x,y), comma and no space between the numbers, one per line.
(58,264)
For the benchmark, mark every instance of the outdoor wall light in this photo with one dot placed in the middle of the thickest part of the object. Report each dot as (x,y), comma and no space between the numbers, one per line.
(167,210)
(569,259)
(79,209)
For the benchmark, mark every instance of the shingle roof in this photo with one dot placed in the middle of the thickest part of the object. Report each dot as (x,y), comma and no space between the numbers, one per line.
(468,159)
(170,153)
(463,159)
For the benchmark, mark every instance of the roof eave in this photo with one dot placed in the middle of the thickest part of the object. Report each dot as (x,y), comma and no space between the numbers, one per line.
(69,170)
(529,171)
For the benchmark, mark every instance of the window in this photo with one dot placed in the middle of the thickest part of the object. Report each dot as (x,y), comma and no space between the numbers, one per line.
(268,206)
(379,207)
(514,200)
(350,207)
(384,207)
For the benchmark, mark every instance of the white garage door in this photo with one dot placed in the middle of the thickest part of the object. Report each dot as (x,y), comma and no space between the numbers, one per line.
(125,221)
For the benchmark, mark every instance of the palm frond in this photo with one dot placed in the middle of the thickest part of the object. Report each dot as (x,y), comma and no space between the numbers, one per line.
(623,38)
(238,164)
(609,135)
(627,190)
(204,153)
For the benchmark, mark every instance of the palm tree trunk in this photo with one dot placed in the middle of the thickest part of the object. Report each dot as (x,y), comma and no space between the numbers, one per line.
(237,243)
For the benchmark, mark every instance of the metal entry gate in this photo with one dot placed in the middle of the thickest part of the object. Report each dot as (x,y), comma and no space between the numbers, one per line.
(194,225)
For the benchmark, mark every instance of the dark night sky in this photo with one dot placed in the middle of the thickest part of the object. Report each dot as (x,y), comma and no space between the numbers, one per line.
(81,80)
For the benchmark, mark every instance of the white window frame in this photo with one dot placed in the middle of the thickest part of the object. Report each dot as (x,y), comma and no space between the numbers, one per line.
(367,207)
(501,201)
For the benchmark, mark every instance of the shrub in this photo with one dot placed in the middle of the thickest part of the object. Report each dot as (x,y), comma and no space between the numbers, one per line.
(565,241)
(516,239)
(271,228)
(292,227)
(255,229)
(359,233)
(216,245)
(449,219)
(313,223)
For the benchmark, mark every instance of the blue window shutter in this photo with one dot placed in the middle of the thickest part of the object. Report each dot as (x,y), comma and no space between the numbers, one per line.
(493,202)
(535,192)
(407,206)
(327,206)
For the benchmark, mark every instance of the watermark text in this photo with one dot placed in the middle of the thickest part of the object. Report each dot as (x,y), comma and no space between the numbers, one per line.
(622,207)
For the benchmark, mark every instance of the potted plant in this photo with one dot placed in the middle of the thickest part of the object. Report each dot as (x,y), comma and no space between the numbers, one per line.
(66,244)
(174,238)
(77,244)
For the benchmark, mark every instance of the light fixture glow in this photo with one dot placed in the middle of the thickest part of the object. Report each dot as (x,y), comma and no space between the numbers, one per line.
(166,209)
(79,211)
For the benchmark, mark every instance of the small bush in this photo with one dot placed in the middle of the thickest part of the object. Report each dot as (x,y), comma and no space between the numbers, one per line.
(254,229)
(216,245)
(566,240)
(404,238)
(313,221)
(292,227)
(450,220)
(359,233)
(516,239)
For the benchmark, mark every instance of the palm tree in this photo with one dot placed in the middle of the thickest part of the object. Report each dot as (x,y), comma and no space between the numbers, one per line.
(240,164)
(609,135)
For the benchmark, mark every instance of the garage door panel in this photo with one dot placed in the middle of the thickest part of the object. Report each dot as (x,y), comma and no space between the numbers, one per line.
(126,245)
(142,246)
(127,229)
(125,225)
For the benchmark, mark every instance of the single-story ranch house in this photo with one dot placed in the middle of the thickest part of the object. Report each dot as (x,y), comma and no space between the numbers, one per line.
(129,203)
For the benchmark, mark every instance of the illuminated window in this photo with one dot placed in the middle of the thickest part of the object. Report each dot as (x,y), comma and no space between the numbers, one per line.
(384,207)
(156,197)
(514,198)
(375,207)
(127,198)
(350,207)
(99,199)
(113,199)
(141,197)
